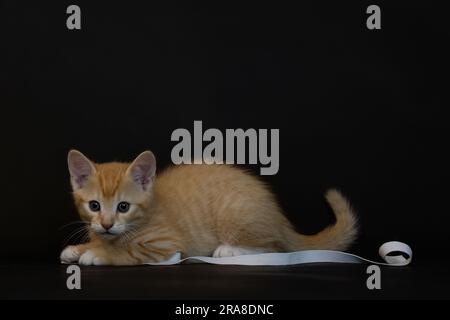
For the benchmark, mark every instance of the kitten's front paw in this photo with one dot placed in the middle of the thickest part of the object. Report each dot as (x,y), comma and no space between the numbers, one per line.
(91,258)
(70,254)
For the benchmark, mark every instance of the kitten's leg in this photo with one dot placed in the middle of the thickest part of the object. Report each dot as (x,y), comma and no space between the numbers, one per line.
(133,254)
(72,253)
(105,255)
(225,250)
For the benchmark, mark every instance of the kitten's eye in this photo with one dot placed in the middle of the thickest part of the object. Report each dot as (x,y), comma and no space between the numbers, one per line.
(94,205)
(123,207)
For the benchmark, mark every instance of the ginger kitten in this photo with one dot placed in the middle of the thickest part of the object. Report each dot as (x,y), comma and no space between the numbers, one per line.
(135,217)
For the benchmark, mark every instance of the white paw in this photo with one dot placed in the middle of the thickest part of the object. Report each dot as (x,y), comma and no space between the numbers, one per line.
(90,259)
(225,250)
(70,254)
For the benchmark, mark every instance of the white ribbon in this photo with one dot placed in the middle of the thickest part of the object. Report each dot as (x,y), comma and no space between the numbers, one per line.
(301,257)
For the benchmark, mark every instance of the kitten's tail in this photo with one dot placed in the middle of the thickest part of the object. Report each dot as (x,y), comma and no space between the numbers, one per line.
(335,237)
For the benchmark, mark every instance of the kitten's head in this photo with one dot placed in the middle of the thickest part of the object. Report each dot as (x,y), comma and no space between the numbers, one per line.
(112,197)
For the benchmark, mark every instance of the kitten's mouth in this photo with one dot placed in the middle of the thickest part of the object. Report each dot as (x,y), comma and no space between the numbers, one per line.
(108,234)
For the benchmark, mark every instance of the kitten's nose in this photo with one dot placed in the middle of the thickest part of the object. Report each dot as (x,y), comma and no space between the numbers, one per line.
(107,226)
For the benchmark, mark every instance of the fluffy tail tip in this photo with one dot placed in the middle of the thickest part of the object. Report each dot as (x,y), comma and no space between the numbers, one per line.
(346,220)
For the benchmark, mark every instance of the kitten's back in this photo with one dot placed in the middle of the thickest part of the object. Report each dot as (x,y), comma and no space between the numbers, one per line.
(222,204)
(217,204)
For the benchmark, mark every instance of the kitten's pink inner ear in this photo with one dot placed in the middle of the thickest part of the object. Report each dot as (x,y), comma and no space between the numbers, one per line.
(80,168)
(143,170)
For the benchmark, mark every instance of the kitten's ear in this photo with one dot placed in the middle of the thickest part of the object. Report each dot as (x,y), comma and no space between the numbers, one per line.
(143,170)
(80,168)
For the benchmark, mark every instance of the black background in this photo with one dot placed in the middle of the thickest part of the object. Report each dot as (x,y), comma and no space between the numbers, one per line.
(357,109)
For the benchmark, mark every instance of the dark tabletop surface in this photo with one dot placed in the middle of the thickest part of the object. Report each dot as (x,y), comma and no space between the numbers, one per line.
(201,281)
